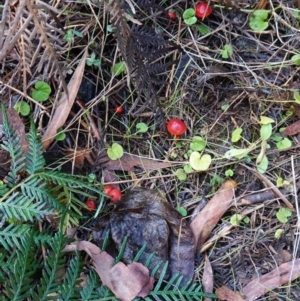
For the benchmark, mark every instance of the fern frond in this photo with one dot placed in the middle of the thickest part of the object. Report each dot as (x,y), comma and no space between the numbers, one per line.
(10,237)
(72,182)
(13,147)
(36,188)
(25,265)
(19,207)
(35,161)
(70,284)
(3,189)
(48,286)
(89,291)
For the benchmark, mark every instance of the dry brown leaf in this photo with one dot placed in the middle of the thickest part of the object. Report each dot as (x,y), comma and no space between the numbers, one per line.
(207,219)
(208,278)
(64,107)
(130,162)
(226,294)
(292,129)
(126,282)
(17,124)
(279,276)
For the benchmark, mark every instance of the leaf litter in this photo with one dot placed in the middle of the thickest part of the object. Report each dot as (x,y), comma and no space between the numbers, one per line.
(222,101)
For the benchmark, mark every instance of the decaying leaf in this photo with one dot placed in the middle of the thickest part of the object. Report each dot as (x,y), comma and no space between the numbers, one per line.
(208,278)
(292,129)
(226,294)
(131,162)
(207,219)
(64,107)
(126,282)
(17,124)
(279,276)
(148,219)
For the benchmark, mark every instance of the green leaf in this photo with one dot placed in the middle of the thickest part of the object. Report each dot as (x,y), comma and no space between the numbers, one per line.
(90,61)
(225,106)
(182,211)
(263,165)
(41,92)
(297,97)
(141,127)
(197,144)
(246,220)
(236,219)
(200,163)
(238,153)
(261,14)
(189,13)
(264,120)
(236,135)
(229,173)
(22,107)
(181,175)
(278,234)
(61,136)
(203,29)
(258,25)
(283,214)
(118,68)
(284,143)
(115,151)
(188,168)
(190,21)
(227,51)
(296,59)
(266,131)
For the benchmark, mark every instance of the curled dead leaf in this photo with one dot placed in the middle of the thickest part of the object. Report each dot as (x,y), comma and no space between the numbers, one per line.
(126,282)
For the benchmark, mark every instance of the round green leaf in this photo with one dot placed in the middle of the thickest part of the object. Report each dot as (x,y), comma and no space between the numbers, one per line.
(181,175)
(182,211)
(61,136)
(22,107)
(200,163)
(296,59)
(141,127)
(197,144)
(41,92)
(261,14)
(236,219)
(115,151)
(284,143)
(258,25)
(188,13)
(246,220)
(118,68)
(188,168)
(190,21)
(266,131)
(283,214)
(236,135)
(229,173)
(278,234)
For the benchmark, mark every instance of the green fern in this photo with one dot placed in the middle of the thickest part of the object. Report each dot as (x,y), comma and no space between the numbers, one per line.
(35,160)
(20,275)
(11,144)
(70,290)
(49,286)
(11,236)
(22,208)
(89,291)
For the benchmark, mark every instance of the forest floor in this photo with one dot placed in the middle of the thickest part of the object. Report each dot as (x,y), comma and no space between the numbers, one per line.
(232,77)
